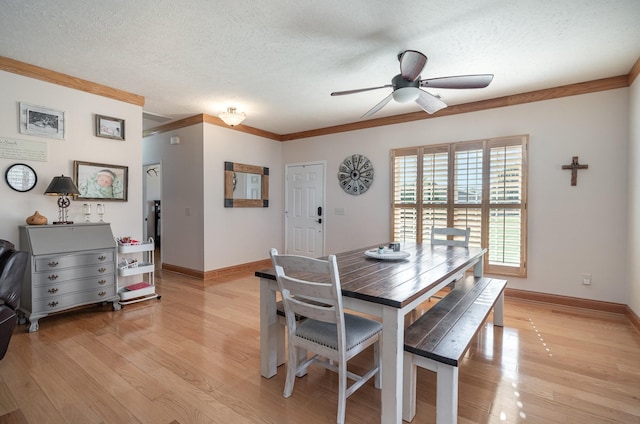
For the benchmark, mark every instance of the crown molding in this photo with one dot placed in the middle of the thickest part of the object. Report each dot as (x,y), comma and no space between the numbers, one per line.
(204,118)
(47,75)
(515,99)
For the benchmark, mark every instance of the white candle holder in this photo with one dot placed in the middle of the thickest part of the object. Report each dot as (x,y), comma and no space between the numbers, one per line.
(100,210)
(86,208)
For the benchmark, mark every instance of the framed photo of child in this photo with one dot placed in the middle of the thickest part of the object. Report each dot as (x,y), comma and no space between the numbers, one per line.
(99,181)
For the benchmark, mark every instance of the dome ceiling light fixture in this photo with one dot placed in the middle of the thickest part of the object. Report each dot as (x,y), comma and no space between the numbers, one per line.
(231,117)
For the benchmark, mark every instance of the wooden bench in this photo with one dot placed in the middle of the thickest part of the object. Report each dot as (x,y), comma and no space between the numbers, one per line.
(439,339)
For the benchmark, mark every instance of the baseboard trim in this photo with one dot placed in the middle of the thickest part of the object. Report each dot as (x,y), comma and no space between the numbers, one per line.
(215,273)
(577,302)
(635,320)
(182,270)
(250,266)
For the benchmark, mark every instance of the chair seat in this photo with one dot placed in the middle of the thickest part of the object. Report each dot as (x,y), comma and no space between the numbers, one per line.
(357,330)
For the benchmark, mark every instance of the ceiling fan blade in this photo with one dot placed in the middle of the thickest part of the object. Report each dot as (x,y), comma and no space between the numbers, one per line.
(429,102)
(460,81)
(378,106)
(359,90)
(411,64)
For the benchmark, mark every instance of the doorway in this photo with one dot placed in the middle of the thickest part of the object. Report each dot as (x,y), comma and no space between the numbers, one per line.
(305,209)
(152,201)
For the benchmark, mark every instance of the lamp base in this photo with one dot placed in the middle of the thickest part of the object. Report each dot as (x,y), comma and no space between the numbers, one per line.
(62,222)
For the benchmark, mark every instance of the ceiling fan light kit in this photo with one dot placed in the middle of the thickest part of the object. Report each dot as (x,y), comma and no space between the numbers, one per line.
(406,94)
(406,85)
(231,117)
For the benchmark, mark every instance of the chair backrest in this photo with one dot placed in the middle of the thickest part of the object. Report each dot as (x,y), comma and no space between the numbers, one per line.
(450,236)
(310,287)
(11,275)
(6,248)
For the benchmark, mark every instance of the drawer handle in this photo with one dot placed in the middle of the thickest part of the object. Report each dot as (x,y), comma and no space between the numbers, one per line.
(102,293)
(102,269)
(53,290)
(101,282)
(53,264)
(102,258)
(52,277)
(53,304)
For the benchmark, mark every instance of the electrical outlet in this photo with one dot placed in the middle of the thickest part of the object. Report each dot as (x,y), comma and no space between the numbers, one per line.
(586,279)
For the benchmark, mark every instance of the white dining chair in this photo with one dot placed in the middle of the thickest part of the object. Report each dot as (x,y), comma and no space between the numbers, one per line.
(450,236)
(311,288)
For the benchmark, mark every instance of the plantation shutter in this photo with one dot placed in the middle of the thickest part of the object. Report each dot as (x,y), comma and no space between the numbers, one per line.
(506,193)
(405,200)
(479,185)
(435,189)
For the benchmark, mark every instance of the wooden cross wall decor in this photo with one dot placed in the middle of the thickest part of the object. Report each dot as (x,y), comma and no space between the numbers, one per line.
(574,169)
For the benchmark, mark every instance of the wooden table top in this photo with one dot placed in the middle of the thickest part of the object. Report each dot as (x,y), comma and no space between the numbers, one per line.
(397,283)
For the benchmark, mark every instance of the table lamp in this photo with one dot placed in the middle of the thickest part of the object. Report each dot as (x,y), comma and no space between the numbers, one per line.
(62,187)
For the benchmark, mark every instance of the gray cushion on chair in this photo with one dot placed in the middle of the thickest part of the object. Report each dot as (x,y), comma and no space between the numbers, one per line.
(358,329)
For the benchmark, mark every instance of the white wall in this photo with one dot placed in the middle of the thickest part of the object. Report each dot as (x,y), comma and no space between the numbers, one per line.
(572,230)
(234,236)
(634,199)
(182,184)
(198,232)
(80,144)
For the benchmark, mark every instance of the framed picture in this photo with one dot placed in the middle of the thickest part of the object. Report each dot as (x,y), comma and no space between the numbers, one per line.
(109,127)
(99,181)
(38,120)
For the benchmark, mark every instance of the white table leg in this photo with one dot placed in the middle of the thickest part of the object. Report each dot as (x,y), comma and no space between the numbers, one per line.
(392,359)
(498,311)
(478,268)
(269,338)
(409,381)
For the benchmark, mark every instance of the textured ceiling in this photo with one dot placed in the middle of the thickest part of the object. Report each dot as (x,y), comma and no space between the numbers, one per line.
(278,60)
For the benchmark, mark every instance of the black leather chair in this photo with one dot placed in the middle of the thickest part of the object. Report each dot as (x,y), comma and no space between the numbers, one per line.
(13,264)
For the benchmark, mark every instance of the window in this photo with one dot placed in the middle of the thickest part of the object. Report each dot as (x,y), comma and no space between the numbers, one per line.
(480,184)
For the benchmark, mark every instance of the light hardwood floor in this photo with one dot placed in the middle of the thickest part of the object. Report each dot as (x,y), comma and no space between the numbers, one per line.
(193,357)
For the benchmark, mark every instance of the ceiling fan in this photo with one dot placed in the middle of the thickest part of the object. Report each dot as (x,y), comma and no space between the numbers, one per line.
(406,85)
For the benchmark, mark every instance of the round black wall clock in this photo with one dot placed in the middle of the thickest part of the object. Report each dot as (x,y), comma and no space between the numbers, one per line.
(355,175)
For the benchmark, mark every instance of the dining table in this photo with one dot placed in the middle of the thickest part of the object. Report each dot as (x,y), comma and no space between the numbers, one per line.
(387,285)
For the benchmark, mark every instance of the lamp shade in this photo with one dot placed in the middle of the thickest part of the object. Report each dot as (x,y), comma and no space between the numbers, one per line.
(62,186)
(231,117)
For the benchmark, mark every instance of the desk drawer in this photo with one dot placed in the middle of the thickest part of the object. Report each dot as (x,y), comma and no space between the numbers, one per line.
(59,303)
(58,276)
(106,282)
(48,263)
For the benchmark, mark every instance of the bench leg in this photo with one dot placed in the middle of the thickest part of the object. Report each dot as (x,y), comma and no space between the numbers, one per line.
(498,311)
(447,394)
(409,377)
(446,388)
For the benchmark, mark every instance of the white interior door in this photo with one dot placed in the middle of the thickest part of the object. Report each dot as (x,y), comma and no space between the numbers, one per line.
(305,209)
